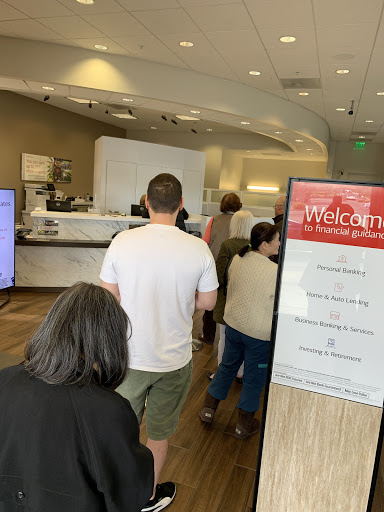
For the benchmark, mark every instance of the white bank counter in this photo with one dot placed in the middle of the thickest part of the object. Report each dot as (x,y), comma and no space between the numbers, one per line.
(70,247)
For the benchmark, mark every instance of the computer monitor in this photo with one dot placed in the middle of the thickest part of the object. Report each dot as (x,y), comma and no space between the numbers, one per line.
(58,206)
(7,238)
(137,210)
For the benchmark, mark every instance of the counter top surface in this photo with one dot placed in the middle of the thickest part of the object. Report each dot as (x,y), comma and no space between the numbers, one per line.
(42,242)
(193,217)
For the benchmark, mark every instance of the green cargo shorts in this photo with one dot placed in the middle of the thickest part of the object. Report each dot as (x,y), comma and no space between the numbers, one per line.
(165,393)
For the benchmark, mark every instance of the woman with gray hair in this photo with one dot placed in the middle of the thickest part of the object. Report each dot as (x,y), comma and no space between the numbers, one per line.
(68,441)
(239,235)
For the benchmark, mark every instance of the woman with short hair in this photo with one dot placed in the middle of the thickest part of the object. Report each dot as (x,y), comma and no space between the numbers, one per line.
(248,317)
(68,441)
(239,235)
(216,232)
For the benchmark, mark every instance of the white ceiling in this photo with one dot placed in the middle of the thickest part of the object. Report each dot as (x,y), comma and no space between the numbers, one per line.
(232,37)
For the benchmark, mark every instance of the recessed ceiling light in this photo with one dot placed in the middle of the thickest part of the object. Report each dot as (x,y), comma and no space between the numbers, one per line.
(86,2)
(100,47)
(342,71)
(278,133)
(186,118)
(153,128)
(361,137)
(126,99)
(380,93)
(124,116)
(46,88)
(340,109)
(303,93)
(254,73)
(248,151)
(186,44)
(309,149)
(369,121)
(298,140)
(81,100)
(287,39)
(195,111)
(209,129)
(244,122)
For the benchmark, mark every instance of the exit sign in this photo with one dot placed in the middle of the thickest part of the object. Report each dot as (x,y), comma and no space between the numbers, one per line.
(360,145)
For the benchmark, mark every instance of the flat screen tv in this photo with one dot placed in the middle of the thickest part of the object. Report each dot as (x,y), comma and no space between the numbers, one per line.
(7,238)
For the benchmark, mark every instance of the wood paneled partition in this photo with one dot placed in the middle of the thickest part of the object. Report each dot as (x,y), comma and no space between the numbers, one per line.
(318,453)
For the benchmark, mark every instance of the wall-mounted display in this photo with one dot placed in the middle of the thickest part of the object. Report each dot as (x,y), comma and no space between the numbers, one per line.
(45,168)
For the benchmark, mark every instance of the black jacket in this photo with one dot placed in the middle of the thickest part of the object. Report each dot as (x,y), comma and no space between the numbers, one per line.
(181,216)
(69,448)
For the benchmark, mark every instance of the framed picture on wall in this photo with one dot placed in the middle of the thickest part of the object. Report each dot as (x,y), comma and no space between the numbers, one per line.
(45,168)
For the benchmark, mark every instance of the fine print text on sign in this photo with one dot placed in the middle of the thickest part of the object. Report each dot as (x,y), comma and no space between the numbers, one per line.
(330,331)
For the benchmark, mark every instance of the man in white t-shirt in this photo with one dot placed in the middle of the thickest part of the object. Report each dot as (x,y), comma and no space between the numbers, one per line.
(161,275)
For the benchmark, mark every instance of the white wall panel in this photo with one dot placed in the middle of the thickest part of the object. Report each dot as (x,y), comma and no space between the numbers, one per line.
(120,186)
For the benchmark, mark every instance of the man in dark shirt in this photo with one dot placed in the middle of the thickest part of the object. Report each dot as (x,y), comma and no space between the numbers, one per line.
(278,220)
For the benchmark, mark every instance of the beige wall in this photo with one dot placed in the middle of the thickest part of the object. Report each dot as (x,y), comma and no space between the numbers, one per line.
(223,168)
(369,161)
(275,172)
(29,126)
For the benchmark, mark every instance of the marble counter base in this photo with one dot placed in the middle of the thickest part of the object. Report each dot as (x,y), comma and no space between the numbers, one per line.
(57,266)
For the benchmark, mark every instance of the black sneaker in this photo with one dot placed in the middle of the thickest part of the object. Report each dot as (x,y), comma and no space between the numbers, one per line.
(164,496)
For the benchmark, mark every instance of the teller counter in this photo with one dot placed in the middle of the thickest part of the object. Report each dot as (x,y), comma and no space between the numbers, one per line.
(70,247)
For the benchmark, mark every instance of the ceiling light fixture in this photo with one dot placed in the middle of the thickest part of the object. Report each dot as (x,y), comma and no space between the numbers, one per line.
(361,137)
(303,93)
(100,47)
(298,140)
(287,39)
(209,130)
(127,99)
(244,122)
(46,88)
(186,44)
(153,128)
(369,121)
(86,2)
(340,109)
(380,93)
(195,112)
(255,187)
(254,73)
(81,100)
(186,118)
(278,133)
(342,71)
(124,116)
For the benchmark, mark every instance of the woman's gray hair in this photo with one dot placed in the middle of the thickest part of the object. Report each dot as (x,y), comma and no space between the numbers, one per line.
(83,337)
(241,225)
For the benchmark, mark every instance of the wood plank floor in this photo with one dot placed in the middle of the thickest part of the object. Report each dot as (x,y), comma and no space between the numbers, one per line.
(212,469)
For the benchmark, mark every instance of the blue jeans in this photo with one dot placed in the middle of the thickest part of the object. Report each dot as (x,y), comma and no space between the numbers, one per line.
(255,353)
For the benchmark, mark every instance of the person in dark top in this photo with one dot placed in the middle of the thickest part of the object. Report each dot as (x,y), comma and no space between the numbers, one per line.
(181,216)
(278,220)
(69,442)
